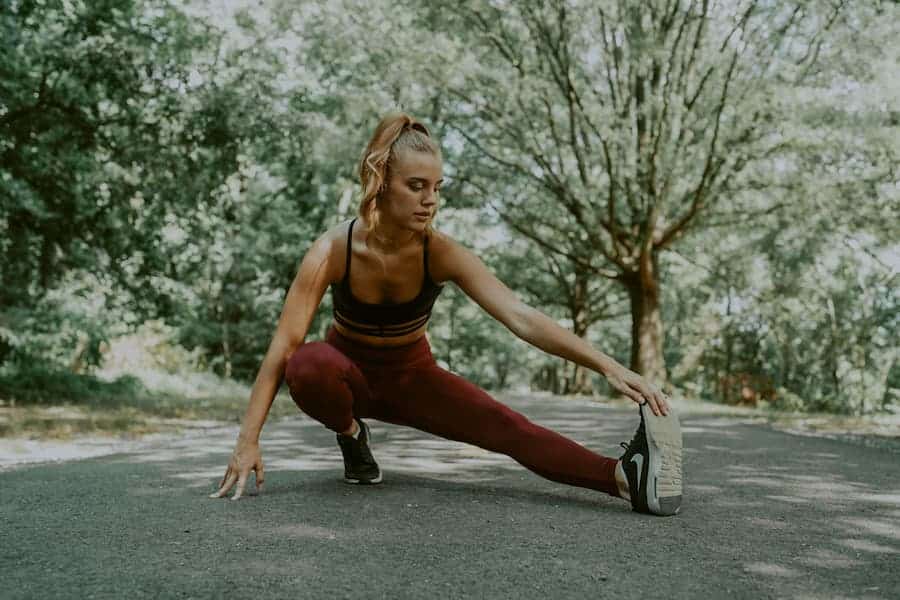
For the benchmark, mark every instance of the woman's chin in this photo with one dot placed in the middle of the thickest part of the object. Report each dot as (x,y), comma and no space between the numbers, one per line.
(421,220)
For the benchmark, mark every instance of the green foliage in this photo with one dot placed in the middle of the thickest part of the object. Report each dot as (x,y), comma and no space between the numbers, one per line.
(467,341)
(87,89)
(32,383)
(64,329)
(176,163)
(814,324)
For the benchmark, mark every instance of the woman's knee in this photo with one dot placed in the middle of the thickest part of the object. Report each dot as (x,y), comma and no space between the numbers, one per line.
(312,360)
(509,427)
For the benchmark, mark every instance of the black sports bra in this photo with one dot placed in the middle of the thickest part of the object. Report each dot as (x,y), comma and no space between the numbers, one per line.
(387,319)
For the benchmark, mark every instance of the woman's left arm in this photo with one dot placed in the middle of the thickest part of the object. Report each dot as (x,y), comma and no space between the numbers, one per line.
(473,277)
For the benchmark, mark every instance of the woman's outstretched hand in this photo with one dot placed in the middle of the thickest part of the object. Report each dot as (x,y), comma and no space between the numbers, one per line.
(639,389)
(246,458)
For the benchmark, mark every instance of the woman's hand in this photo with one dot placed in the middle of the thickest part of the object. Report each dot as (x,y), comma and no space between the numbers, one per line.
(639,389)
(246,458)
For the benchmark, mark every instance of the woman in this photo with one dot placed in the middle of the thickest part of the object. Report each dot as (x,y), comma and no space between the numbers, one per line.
(376,361)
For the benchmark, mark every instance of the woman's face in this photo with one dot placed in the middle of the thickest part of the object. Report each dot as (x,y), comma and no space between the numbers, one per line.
(411,198)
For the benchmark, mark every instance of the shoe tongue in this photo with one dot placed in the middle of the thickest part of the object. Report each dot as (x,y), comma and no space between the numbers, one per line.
(640,433)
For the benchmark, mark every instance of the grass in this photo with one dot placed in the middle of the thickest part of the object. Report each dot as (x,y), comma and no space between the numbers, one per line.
(54,405)
(172,415)
(39,404)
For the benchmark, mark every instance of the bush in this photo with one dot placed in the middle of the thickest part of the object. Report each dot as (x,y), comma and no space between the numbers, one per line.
(31,385)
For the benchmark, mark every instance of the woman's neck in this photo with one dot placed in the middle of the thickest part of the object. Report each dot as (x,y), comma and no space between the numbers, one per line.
(387,238)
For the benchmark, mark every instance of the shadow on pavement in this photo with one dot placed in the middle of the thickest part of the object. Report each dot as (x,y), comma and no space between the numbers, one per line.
(765,515)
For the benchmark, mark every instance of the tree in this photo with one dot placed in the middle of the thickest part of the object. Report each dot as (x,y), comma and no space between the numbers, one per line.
(623,124)
(88,93)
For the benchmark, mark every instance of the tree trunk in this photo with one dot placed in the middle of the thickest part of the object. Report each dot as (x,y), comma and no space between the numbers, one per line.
(578,380)
(726,396)
(646,325)
(76,365)
(502,366)
(547,379)
(226,350)
(834,348)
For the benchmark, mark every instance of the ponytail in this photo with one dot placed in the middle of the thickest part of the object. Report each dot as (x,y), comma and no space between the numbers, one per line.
(395,132)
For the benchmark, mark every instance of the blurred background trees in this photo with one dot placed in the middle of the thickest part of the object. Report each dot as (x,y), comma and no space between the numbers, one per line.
(706,191)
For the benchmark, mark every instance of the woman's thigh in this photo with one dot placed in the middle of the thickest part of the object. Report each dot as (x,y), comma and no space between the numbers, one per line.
(327,385)
(445,404)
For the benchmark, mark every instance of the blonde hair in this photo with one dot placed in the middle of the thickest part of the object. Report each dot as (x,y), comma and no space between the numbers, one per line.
(395,132)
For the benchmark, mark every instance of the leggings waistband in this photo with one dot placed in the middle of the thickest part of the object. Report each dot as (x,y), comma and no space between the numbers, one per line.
(403,355)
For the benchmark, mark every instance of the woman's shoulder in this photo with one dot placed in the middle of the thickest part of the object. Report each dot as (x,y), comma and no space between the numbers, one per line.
(438,240)
(338,233)
(444,253)
(443,242)
(330,247)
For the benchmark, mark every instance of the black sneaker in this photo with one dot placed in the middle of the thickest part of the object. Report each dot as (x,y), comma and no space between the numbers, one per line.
(359,464)
(652,464)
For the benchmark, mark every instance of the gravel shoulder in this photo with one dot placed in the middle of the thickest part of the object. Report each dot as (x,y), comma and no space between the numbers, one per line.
(56,439)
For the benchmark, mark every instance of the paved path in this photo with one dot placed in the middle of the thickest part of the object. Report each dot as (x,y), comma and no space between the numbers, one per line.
(766,515)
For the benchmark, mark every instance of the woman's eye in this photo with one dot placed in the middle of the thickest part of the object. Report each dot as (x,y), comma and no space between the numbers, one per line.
(419,188)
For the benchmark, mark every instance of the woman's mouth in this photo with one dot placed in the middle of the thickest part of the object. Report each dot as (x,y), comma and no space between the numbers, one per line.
(423,215)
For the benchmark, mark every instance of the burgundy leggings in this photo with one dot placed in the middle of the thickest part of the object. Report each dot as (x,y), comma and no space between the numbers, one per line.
(334,380)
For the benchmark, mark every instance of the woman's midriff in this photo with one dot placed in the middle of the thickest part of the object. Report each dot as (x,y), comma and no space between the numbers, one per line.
(380,342)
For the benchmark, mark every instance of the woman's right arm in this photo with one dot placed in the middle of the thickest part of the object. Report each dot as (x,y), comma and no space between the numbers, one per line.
(316,272)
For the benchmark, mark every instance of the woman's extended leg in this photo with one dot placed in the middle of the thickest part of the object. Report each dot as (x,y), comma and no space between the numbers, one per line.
(442,403)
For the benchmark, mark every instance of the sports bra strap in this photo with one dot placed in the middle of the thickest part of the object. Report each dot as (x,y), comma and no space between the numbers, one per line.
(427,275)
(349,250)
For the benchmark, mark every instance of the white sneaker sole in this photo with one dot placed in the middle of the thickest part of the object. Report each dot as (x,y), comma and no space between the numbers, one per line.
(664,488)
(362,482)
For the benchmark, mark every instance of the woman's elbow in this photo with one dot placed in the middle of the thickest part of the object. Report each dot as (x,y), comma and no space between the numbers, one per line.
(521,320)
(283,346)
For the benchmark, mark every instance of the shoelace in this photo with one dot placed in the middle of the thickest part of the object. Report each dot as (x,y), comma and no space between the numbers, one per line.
(364,453)
(637,434)
(360,452)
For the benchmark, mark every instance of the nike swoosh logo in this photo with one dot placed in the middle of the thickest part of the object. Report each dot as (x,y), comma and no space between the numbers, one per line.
(638,460)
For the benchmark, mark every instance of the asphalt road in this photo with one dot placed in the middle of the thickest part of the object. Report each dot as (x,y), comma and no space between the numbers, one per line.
(766,515)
